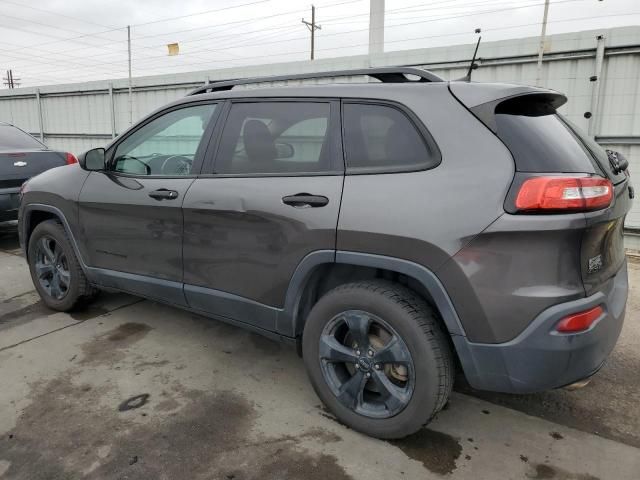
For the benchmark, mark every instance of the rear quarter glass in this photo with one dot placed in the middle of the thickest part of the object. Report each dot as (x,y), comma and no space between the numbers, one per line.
(543,143)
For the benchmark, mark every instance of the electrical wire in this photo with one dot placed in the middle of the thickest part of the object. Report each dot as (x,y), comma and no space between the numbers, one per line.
(285,54)
(142,66)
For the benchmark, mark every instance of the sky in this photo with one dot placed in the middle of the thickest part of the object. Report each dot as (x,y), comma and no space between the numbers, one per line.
(67,41)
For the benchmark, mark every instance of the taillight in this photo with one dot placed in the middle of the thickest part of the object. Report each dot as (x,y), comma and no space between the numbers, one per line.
(577,194)
(579,322)
(70,158)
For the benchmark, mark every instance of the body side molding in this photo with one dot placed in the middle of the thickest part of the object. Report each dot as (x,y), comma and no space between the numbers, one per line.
(165,291)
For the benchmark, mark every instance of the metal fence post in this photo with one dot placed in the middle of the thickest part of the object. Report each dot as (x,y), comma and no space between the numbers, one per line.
(40,123)
(597,85)
(113,111)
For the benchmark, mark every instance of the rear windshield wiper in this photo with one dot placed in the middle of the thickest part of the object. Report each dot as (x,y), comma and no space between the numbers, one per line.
(618,161)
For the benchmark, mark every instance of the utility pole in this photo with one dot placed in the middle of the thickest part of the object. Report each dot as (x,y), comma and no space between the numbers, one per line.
(9,81)
(130,92)
(312,28)
(542,40)
(376,27)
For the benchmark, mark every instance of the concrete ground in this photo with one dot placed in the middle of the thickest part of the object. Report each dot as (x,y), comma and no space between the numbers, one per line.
(132,389)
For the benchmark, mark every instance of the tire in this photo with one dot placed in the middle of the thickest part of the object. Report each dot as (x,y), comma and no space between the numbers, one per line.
(78,292)
(429,367)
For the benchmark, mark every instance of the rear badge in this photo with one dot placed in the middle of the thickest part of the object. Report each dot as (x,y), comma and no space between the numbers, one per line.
(20,164)
(595,264)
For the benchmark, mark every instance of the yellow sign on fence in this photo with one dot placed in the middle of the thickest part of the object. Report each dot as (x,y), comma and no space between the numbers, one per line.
(174,49)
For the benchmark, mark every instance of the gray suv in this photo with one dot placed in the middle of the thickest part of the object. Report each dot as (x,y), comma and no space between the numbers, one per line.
(394,230)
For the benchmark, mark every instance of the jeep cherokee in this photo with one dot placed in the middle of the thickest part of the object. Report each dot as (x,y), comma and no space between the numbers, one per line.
(395,230)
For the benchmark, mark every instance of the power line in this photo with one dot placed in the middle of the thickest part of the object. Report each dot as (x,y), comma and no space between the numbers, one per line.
(245,21)
(339,20)
(388,26)
(208,38)
(216,10)
(51,12)
(140,24)
(165,68)
(83,35)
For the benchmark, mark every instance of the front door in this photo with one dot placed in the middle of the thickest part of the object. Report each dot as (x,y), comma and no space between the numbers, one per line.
(131,213)
(271,198)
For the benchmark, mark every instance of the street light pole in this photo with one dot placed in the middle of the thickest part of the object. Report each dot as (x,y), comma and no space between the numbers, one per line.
(130,92)
(542,41)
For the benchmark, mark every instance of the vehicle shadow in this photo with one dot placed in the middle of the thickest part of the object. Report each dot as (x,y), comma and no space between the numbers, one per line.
(9,237)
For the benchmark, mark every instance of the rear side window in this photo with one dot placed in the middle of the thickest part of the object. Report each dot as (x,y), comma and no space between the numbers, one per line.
(14,138)
(539,140)
(381,137)
(276,138)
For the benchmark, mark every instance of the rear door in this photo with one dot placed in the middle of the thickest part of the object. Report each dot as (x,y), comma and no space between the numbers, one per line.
(270,198)
(131,215)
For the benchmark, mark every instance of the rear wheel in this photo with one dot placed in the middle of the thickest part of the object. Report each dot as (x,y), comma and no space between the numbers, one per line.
(377,358)
(55,270)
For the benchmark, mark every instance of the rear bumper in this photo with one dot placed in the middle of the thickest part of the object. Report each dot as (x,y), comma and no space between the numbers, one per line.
(541,359)
(9,203)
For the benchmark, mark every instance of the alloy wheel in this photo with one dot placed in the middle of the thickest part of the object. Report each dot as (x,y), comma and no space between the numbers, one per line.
(366,364)
(52,268)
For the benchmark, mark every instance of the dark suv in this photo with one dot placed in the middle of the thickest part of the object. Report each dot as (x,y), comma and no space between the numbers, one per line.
(393,230)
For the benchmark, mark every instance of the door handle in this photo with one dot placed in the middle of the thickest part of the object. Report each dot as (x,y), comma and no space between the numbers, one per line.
(164,194)
(305,200)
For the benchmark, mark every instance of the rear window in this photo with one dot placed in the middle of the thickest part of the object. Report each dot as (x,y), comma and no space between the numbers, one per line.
(382,137)
(14,138)
(542,142)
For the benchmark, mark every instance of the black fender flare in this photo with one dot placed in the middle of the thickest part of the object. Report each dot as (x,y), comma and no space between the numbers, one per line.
(289,323)
(27,210)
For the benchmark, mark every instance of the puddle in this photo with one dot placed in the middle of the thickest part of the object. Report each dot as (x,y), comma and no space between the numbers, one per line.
(88,313)
(110,347)
(437,451)
(74,429)
(543,471)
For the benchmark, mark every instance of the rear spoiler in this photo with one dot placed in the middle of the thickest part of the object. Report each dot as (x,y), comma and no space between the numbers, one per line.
(485,100)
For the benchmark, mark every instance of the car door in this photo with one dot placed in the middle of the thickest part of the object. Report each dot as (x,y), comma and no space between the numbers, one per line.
(270,198)
(130,214)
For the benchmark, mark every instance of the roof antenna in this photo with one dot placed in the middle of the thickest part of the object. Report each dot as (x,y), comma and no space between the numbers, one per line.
(474,65)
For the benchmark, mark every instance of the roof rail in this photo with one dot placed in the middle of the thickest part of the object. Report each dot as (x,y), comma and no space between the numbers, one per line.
(384,74)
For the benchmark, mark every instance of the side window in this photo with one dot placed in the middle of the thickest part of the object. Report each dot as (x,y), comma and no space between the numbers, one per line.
(383,137)
(166,145)
(276,137)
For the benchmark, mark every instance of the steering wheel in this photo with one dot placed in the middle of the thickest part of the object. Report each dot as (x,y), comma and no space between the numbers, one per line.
(147,168)
(181,165)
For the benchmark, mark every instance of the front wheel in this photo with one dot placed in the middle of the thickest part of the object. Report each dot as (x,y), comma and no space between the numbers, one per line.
(55,270)
(377,358)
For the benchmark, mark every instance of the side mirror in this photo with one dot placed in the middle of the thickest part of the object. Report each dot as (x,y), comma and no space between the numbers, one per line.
(93,160)
(285,150)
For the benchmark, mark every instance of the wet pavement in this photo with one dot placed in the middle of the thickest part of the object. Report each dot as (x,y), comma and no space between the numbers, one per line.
(132,389)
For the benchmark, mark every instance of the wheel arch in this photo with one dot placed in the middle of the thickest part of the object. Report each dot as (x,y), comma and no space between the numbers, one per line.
(34,214)
(320,272)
